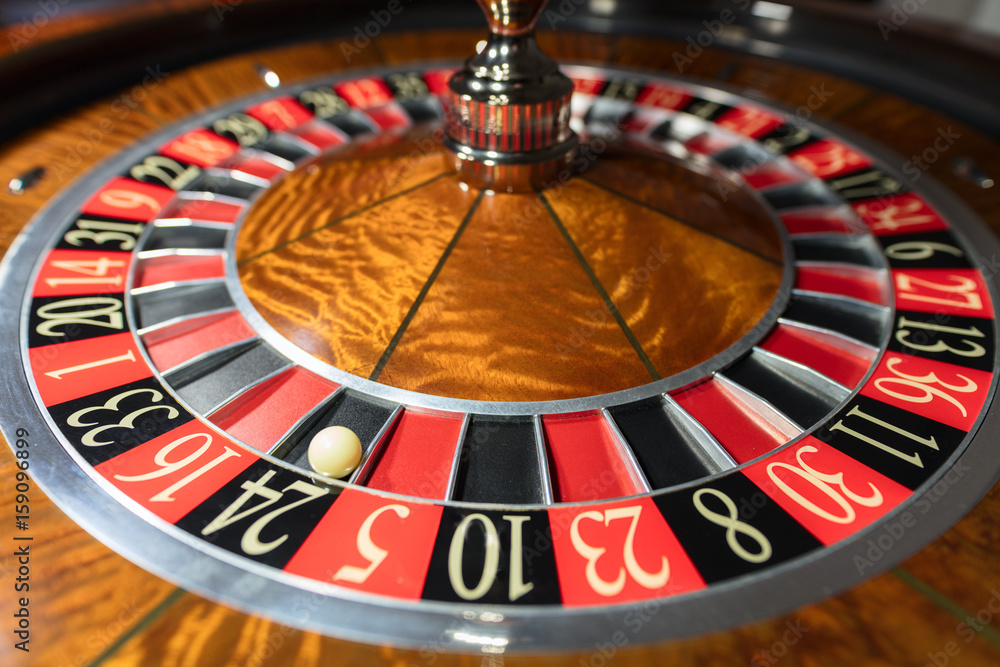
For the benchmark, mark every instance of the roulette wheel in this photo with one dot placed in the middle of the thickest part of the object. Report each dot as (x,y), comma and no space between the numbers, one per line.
(638,356)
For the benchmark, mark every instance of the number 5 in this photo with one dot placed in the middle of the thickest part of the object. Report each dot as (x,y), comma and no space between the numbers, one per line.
(371,552)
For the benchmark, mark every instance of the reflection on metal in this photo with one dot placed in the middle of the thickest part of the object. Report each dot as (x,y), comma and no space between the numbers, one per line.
(95,504)
(508,110)
(19,184)
(771,10)
(966,168)
(268,76)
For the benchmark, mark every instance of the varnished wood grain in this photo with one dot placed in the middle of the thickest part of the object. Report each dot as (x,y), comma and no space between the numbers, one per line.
(883,623)
(507,318)
(324,194)
(342,292)
(964,564)
(192,89)
(84,588)
(78,589)
(971,577)
(711,204)
(729,287)
(399,48)
(335,259)
(49,23)
(83,597)
(673,58)
(918,134)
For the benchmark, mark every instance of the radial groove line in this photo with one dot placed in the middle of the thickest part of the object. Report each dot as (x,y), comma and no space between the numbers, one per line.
(605,297)
(380,366)
(943,601)
(707,442)
(639,202)
(371,458)
(363,209)
(144,623)
(626,453)
(284,444)
(543,461)
(456,459)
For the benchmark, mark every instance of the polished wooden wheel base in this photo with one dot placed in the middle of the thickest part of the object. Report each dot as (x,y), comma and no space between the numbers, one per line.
(502,321)
(88,606)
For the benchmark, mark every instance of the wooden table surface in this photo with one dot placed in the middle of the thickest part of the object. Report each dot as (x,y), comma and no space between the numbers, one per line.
(91,607)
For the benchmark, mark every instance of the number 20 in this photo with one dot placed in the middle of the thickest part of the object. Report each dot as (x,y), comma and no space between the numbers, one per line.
(99,306)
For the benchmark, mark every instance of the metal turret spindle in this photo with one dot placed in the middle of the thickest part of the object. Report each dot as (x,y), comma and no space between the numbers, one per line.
(509,108)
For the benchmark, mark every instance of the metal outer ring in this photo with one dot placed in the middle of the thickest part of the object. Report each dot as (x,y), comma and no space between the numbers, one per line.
(529,629)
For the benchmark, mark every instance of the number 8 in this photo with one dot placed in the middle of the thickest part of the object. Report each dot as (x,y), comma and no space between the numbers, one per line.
(733,525)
